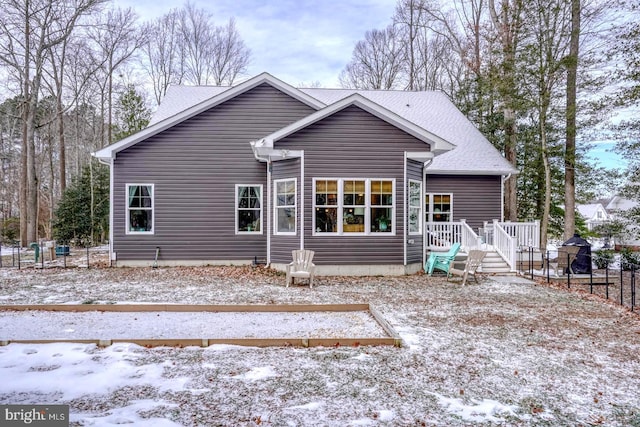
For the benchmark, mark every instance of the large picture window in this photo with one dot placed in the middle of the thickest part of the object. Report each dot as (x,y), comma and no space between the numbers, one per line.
(415,207)
(439,207)
(354,206)
(248,208)
(285,206)
(139,208)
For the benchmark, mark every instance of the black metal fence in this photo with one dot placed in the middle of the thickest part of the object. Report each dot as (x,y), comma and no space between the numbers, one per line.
(615,284)
(45,255)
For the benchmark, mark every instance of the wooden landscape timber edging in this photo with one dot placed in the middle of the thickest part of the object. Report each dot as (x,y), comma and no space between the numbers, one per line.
(393,339)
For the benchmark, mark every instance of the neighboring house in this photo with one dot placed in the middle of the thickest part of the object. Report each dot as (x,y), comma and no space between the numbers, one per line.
(594,214)
(616,206)
(225,175)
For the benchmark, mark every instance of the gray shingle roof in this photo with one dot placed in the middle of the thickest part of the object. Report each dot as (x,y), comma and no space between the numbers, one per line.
(431,110)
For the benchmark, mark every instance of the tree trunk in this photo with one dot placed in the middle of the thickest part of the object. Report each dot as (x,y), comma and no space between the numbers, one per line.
(570,146)
(546,212)
(62,149)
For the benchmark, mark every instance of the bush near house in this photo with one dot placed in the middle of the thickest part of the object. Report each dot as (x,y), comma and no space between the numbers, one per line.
(603,258)
(629,260)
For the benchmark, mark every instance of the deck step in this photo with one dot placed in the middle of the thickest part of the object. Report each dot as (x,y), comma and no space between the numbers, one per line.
(494,263)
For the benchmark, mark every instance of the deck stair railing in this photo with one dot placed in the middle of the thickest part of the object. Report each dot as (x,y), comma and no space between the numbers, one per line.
(505,245)
(506,238)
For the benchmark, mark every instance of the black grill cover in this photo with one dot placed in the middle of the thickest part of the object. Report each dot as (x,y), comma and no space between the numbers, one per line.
(582,263)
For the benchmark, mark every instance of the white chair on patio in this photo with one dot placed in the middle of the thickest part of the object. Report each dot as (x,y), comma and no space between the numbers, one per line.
(302,266)
(471,265)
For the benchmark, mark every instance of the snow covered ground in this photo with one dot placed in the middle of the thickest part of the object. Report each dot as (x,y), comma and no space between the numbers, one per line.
(504,352)
(96,325)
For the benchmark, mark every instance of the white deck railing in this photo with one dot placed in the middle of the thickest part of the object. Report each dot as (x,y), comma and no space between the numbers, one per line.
(505,245)
(505,237)
(441,235)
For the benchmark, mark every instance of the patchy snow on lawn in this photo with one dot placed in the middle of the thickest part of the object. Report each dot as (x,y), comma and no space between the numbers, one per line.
(496,353)
(96,325)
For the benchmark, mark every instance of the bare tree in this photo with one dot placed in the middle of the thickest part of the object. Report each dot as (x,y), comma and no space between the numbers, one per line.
(162,53)
(29,28)
(198,38)
(116,38)
(376,63)
(230,56)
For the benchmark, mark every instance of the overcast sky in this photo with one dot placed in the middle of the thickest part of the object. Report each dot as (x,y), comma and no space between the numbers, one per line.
(298,41)
(303,41)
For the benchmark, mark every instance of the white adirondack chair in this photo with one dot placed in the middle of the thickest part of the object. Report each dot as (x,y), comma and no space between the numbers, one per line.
(302,266)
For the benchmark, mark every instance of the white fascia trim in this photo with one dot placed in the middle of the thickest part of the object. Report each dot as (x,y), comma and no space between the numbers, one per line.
(264,153)
(420,156)
(470,172)
(110,151)
(437,143)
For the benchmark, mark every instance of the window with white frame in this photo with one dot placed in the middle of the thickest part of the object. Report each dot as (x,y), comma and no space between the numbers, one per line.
(248,208)
(438,207)
(139,208)
(354,206)
(285,206)
(415,207)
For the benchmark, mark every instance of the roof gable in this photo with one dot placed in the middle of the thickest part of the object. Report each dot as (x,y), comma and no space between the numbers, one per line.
(164,123)
(437,143)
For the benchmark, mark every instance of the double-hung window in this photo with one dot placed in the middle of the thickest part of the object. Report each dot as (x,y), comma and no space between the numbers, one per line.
(285,206)
(139,209)
(354,206)
(248,209)
(415,207)
(439,207)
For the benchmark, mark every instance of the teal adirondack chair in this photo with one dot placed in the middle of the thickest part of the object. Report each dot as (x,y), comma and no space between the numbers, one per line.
(441,261)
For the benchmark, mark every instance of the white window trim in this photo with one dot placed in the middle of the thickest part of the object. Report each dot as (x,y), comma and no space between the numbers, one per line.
(367,207)
(420,207)
(276,207)
(152,209)
(431,205)
(236,208)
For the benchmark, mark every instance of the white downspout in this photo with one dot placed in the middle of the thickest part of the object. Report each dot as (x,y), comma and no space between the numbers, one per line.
(504,179)
(257,156)
(268,212)
(110,164)
(302,214)
(405,216)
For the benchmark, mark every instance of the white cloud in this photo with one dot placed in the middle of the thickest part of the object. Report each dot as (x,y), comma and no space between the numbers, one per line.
(295,40)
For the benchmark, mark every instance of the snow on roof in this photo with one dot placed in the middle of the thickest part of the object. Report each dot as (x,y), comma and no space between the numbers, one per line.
(589,211)
(433,111)
(621,204)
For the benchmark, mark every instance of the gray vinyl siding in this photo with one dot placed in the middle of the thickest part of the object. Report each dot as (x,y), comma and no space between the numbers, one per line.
(282,245)
(414,250)
(353,143)
(195,166)
(476,198)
